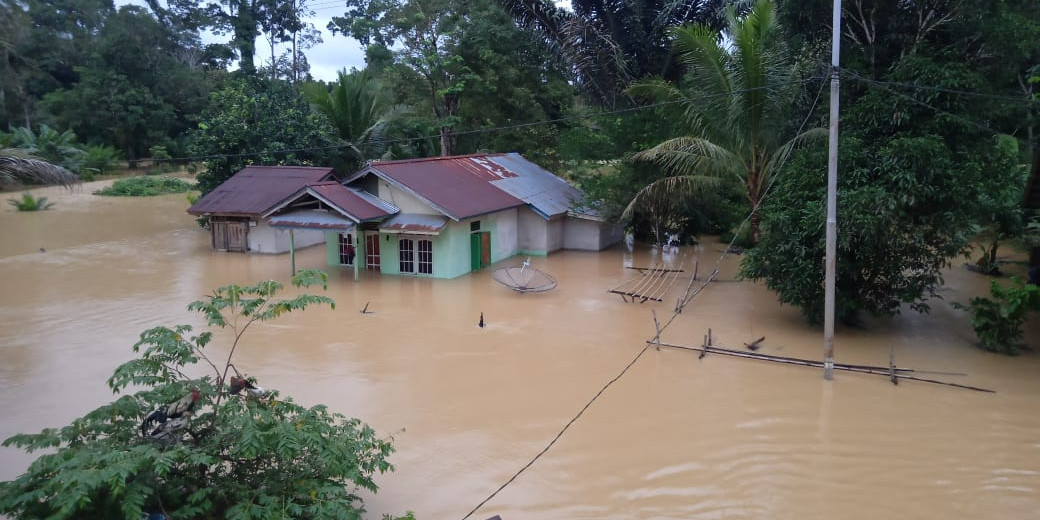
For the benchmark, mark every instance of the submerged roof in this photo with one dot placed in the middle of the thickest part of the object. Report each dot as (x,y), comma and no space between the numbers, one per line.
(354,204)
(414,223)
(256,189)
(466,186)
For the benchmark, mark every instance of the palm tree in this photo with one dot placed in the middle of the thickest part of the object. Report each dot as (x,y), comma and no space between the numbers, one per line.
(359,110)
(737,117)
(19,166)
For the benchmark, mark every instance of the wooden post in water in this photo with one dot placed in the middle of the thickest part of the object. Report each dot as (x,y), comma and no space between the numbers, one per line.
(832,200)
(292,251)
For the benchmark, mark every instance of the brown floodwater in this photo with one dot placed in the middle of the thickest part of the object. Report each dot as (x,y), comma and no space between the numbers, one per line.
(676,437)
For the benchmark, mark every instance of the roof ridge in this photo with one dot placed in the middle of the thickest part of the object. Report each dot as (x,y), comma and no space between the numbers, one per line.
(439,158)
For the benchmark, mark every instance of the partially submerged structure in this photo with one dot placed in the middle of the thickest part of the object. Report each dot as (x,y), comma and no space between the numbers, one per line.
(237,208)
(440,217)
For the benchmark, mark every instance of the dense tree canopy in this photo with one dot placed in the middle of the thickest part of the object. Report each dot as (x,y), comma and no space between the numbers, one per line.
(253,121)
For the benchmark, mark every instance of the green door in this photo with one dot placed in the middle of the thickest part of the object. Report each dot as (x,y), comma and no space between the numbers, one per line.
(480,250)
(474,251)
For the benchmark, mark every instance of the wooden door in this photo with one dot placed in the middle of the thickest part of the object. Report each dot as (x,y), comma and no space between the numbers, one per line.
(485,248)
(372,251)
(237,232)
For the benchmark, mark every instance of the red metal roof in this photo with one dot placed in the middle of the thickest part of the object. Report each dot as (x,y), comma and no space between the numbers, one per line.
(352,202)
(256,189)
(459,186)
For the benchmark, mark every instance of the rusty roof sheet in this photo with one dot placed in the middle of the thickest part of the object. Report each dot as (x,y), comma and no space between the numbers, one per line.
(312,219)
(414,223)
(547,194)
(359,205)
(256,189)
(457,186)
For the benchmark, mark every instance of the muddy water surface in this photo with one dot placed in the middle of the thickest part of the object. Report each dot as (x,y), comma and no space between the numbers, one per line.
(676,437)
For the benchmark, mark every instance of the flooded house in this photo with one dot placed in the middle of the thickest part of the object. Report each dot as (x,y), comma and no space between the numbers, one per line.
(237,207)
(440,217)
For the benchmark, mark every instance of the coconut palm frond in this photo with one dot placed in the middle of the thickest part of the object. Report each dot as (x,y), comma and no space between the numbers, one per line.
(655,89)
(659,196)
(780,155)
(19,166)
(690,156)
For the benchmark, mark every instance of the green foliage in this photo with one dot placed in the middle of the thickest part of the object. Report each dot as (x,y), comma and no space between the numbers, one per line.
(908,205)
(251,121)
(30,203)
(238,458)
(161,160)
(998,320)
(360,110)
(146,187)
(735,106)
(59,148)
(99,160)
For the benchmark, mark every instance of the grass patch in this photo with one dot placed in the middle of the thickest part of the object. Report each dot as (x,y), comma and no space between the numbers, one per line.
(146,187)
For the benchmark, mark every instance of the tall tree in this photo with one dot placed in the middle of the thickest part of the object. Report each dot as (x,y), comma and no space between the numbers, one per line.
(461,62)
(608,45)
(252,121)
(926,161)
(428,33)
(736,109)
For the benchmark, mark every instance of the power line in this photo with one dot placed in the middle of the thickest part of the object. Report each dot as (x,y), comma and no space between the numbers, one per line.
(705,97)
(918,86)
(936,109)
(647,346)
(562,431)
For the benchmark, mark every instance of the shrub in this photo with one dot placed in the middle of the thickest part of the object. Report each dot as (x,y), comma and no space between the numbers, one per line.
(146,187)
(99,160)
(30,203)
(998,320)
(161,161)
(225,448)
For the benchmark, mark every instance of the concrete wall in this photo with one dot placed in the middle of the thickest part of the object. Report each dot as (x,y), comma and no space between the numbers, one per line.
(402,199)
(532,234)
(266,239)
(504,233)
(590,235)
(554,234)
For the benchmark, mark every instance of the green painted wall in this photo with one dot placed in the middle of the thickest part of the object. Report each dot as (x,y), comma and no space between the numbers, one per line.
(332,248)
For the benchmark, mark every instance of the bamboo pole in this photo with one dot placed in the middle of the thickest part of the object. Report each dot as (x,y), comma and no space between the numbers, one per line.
(863,369)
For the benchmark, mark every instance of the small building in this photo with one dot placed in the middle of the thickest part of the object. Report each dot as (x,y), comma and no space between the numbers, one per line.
(237,207)
(440,217)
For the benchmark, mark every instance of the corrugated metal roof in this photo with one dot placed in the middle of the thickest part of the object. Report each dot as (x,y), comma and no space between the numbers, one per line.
(548,194)
(312,219)
(457,186)
(414,223)
(357,203)
(256,189)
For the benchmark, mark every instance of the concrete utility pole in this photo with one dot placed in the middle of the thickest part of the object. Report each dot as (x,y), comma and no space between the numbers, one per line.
(832,202)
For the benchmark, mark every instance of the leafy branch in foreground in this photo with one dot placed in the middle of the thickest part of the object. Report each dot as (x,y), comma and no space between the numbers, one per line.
(199,447)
